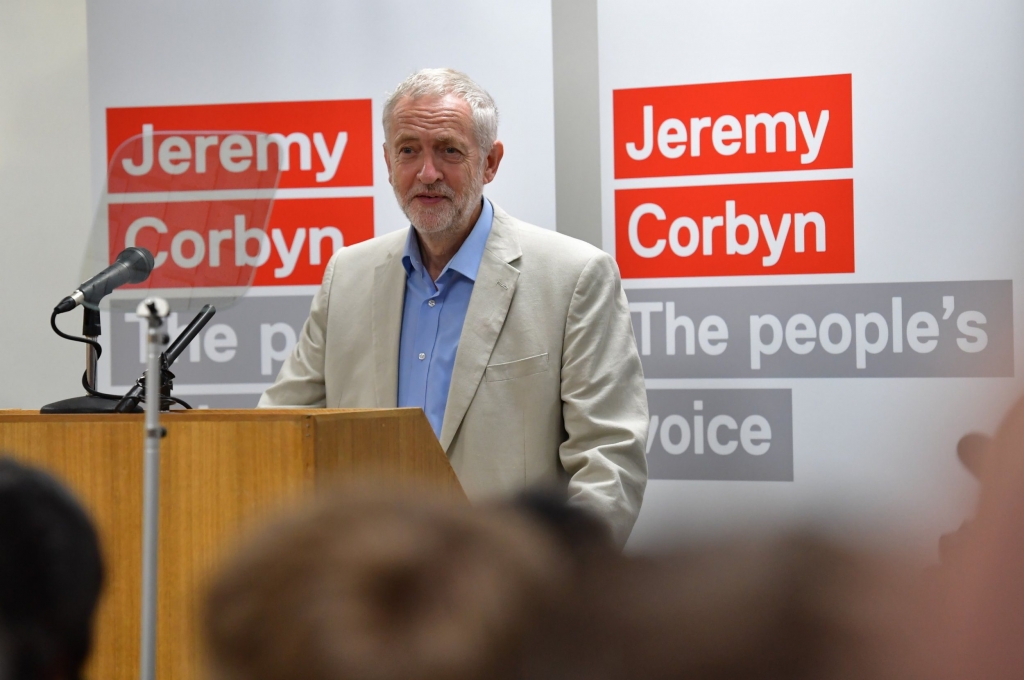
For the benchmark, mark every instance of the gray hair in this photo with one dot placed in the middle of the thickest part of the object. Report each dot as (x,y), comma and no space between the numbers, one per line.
(444,81)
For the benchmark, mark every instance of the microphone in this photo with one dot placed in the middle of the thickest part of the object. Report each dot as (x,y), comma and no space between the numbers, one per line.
(132,265)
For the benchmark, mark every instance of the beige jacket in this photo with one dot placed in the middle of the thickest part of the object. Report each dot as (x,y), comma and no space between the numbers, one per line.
(547,380)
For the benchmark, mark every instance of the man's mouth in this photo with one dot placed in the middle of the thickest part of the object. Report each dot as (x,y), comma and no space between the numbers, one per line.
(430,199)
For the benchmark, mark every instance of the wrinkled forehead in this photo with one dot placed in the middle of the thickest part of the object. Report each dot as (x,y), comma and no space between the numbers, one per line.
(431,116)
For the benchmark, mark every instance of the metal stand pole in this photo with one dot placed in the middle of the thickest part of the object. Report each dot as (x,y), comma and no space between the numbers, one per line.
(90,365)
(155,310)
(91,329)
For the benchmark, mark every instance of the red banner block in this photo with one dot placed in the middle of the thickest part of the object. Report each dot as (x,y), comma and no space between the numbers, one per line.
(735,230)
(352,217)
(750,126)
(240,146)
(228,243)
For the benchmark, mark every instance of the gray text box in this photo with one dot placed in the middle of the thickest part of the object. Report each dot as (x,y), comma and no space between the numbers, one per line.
(243,343)
(933,329)
(721,434)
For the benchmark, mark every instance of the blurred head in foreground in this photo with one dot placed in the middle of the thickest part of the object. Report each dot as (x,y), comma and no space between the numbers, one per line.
(793,608)
(585,536)
(388,588)
(50,577)
(407,588)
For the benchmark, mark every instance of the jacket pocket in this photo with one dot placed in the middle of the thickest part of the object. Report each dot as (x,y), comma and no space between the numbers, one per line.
(516,369)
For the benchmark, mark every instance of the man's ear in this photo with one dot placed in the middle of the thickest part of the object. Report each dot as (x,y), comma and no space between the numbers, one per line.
(387,160)
(492,161)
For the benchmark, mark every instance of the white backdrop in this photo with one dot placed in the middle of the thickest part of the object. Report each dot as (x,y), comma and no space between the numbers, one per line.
(154,53)
(938,95)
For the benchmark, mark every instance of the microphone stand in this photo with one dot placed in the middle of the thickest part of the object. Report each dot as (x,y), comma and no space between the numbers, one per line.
(91,330)
(155,310)
(132,265)
(93,402)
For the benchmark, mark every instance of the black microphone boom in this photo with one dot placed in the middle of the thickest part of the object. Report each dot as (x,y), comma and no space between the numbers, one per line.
(190,332)
(130,401)
(133,265)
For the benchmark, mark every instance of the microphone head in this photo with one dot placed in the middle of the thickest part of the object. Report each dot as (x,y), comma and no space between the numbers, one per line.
(132,265)
(139,262)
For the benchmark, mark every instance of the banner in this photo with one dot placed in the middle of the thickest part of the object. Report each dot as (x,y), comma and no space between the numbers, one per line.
(814,233)
(816,212)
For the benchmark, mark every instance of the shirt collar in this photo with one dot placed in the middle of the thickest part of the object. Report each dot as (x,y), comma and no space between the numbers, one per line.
(471,253)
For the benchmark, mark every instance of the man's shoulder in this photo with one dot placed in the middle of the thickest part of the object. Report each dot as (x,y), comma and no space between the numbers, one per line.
(547,248)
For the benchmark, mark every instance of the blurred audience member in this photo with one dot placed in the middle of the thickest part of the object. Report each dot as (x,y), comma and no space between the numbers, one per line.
(50,577)
(381,589)
(794,609)
(971,450)
(385,588)
(583,534)
(983,583)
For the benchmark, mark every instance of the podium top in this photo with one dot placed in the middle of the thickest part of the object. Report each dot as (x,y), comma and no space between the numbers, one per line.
(393,444)
(214,415)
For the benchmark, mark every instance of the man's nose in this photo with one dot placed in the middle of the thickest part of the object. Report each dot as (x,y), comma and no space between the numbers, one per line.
(429,172)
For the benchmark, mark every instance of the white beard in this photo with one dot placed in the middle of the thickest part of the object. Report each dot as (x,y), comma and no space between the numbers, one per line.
(449,214)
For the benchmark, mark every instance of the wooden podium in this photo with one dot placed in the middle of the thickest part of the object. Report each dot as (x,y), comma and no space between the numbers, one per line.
(221,473)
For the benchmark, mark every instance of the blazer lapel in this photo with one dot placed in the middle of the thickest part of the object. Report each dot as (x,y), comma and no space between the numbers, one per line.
(388,303)
(488,306)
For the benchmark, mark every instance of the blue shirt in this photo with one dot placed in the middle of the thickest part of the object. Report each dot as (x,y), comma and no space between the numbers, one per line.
(432,320)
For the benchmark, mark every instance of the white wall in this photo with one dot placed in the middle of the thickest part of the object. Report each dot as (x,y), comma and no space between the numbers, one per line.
(45,206)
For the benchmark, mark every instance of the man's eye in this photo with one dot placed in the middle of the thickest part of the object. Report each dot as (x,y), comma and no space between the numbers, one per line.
(451,150)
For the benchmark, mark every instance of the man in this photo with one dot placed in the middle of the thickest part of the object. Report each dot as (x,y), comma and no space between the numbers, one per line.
(516,341)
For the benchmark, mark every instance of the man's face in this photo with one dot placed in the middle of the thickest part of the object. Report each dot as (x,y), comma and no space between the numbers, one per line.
(435,165)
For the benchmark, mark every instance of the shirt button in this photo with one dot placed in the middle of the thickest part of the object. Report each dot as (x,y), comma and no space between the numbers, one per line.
(431,303)
(422,356)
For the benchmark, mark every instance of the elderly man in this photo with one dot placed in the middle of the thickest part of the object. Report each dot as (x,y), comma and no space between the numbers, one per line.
(515,341)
